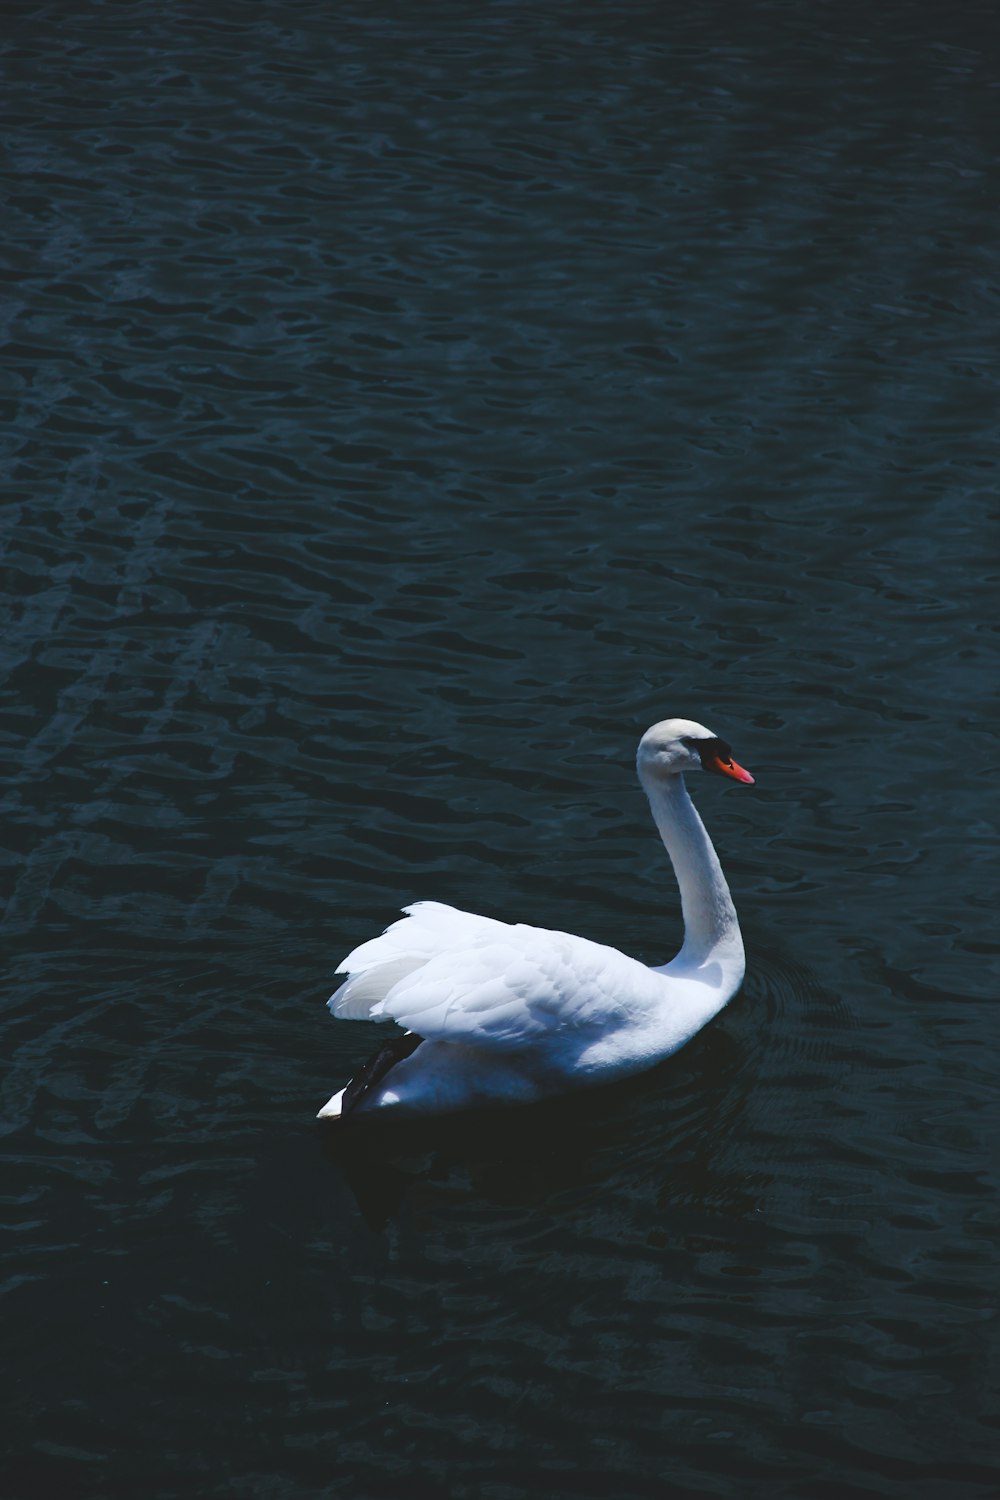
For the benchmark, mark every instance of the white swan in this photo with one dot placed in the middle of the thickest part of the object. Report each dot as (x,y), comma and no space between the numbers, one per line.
(503,1014)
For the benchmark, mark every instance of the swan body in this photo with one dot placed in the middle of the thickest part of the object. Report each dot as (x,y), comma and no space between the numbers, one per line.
(499,1013)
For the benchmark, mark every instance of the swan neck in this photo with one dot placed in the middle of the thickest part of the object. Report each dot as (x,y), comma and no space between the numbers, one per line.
(710,920)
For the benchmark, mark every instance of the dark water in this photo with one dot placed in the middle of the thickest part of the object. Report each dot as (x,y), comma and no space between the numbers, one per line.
(405,406)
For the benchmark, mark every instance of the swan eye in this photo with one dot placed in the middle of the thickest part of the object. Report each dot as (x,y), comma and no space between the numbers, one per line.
(710,750)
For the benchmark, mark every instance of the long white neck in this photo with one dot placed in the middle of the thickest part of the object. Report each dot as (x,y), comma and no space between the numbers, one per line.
(711,928)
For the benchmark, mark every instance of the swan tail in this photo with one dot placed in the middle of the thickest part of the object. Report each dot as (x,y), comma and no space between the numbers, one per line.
(333,1108)
(370,1076)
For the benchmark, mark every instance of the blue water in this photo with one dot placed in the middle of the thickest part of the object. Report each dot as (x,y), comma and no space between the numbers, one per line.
(403,408)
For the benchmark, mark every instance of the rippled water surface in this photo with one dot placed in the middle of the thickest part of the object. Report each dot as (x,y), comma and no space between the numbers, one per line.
(403,407)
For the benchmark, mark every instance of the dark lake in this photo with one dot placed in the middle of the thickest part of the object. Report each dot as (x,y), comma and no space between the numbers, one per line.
(403,407)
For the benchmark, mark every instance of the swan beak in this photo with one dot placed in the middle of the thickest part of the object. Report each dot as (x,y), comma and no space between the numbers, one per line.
(729,768)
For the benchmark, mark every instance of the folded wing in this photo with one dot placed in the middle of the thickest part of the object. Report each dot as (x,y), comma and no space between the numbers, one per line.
(453,976)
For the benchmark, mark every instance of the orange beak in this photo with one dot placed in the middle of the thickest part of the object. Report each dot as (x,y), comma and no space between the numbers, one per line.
(727,768)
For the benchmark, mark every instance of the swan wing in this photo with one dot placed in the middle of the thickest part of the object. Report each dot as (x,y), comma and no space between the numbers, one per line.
(428,928)
(453,976)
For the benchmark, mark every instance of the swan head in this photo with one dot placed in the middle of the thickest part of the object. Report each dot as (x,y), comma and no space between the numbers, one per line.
(677,745)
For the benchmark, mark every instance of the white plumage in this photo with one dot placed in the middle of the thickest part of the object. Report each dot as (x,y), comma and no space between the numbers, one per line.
(511,1013)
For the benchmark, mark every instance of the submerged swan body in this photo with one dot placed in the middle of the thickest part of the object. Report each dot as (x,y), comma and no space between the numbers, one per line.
(499,1013)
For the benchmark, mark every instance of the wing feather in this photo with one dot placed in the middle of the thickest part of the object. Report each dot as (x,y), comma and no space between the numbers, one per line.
(509,986)
(373,968)
(451,975)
